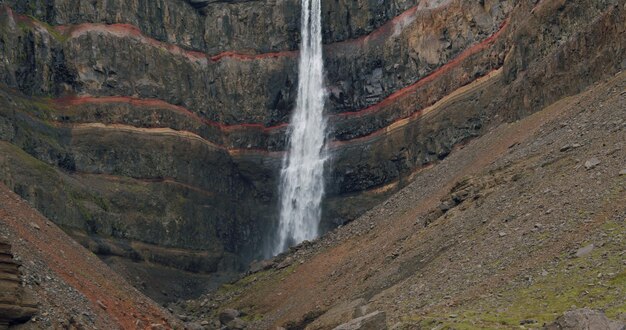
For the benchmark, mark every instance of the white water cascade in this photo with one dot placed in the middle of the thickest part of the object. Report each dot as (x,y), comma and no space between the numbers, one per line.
(302,174)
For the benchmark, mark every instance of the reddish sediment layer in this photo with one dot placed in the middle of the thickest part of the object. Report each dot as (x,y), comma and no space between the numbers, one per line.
(251,57)
(402,93)
(432,76)
(405,92)
(415,115)
(81,100)
(389,29)
(166,131)
(128,30)
(385,31)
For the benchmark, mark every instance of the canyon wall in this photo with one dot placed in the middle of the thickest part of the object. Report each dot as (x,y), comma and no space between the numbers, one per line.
(153,131)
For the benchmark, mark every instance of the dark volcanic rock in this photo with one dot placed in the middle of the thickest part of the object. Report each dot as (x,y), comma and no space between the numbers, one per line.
(16,305)
(228,315)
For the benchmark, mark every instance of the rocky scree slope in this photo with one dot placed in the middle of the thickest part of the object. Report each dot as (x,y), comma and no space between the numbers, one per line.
(152,131)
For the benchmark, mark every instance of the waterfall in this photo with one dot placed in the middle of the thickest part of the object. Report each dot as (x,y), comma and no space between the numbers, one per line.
(302,174)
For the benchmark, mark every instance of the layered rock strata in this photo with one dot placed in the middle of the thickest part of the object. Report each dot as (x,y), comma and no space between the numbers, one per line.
(16,305)
(161,142)
(224,26)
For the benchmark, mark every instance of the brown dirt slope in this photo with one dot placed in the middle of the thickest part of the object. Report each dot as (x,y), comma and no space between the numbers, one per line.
(73,287)
(485,239)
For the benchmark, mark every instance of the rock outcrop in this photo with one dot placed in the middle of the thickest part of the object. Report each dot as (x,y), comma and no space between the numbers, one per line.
(153,130)
(373,321)
(16,305)
(585,319)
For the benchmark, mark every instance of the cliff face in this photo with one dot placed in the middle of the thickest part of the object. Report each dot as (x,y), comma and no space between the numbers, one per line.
(154,130)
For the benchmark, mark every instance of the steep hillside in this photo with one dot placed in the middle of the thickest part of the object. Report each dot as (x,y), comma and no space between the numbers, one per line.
(72,287)
(512,229)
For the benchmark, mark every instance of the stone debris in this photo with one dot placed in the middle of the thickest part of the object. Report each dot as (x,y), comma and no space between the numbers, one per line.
(228,315)
(592,163)
(257,266)
(236,324)
(194,326)
(584,251)
(373,321)
(101,305)
(568,147)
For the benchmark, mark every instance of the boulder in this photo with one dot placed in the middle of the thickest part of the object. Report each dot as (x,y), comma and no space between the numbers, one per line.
(583,251)
(194,326)
(236,324)
(228,315)
(257,266)
(373,321)
(585,319)
(339,314)
(592,163)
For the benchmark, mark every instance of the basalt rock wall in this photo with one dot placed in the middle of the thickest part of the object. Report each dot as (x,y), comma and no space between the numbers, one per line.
(154,130)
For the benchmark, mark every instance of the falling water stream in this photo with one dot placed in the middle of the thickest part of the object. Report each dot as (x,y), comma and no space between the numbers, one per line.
(302,174)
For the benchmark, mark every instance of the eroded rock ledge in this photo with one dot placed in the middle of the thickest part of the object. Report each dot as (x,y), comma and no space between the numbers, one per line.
(16,305)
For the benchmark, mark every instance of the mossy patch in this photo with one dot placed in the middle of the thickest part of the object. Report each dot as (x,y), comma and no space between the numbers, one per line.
(24,158)
(254,283)
(61,37)
(43,108)
(24,27)
(54,33)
